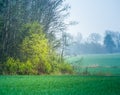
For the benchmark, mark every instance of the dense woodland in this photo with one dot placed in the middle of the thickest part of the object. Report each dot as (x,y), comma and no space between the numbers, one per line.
(28,37)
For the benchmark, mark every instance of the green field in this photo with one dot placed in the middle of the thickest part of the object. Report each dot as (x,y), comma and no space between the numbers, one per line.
(70,84)
(97,63)
(59,85)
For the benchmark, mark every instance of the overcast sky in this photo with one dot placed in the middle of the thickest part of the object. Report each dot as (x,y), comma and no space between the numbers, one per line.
(94,16)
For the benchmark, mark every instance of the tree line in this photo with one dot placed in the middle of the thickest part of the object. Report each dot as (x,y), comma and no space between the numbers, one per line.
(94,44)
(28,36)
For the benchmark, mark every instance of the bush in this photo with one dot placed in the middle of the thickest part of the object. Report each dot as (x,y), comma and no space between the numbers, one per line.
(11,66)
(27,68)
(65,68)
(36,55)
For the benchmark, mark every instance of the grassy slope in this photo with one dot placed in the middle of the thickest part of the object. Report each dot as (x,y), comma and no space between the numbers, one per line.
(101,59)
(59,85)
(104,60)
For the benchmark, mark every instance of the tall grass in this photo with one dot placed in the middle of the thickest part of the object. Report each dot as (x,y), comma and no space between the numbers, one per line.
(59,85)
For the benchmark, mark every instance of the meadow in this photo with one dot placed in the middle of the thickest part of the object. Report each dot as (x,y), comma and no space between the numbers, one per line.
(107,81)
(101,64)
(60,85)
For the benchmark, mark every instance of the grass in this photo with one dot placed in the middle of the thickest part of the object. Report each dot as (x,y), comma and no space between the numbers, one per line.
(105,63)
(69,84)
(59,85)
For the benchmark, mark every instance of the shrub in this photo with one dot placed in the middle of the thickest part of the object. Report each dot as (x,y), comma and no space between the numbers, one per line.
(27,68)
(65,68)
(11,66)
(36,55)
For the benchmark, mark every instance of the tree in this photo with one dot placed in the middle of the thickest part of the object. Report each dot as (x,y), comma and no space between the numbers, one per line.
(94,38)
(66,40)
(116,39)
(78,38)
(23,39)
(35,48)
(36,56)
(109,43)
(15,13)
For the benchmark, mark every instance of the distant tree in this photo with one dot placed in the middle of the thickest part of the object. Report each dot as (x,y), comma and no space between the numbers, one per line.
(116,39)
(78,38)
(109,43)
(90,46)
(94,38)
(65,42)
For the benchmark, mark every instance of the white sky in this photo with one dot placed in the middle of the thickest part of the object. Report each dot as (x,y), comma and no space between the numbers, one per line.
(94,16)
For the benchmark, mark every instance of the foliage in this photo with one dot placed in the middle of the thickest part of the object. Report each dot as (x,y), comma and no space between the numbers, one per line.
(36,55)
(15,13)
(11,66)
(65,68)
(26,68)
(28,35)
(109,43)
(95,44)
(35,48)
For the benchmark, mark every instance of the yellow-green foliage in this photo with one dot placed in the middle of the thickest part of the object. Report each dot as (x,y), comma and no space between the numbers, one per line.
(65,68)
(37,56)
(10,66)
(27,68)
(35,48)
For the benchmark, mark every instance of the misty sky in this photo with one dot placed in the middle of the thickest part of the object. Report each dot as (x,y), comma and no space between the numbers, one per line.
(94,16)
